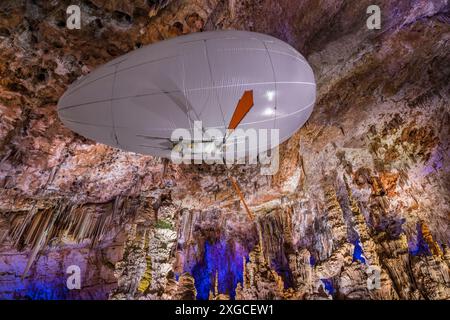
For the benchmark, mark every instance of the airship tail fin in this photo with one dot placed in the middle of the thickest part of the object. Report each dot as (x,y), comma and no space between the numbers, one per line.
(243,107)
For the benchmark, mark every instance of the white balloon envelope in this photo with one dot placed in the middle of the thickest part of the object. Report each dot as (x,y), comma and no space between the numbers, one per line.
(136,101)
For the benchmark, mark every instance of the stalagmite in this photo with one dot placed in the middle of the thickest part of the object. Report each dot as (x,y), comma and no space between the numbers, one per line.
(144,284)
(434,247)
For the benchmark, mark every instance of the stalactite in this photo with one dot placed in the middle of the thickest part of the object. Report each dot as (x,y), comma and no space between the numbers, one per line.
(78,222)
(261,240)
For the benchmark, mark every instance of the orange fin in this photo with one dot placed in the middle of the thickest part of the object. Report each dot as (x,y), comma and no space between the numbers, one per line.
(243,107)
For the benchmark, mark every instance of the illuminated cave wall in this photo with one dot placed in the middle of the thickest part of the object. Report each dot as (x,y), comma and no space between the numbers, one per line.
(364,183)
(222,262)
(47,278)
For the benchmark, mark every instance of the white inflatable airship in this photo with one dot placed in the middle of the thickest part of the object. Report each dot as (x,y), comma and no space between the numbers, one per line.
(225,79)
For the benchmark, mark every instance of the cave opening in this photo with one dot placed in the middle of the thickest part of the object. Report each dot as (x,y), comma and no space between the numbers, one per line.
(220,270)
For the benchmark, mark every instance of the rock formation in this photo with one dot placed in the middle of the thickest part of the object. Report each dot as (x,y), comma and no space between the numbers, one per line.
(358,210)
